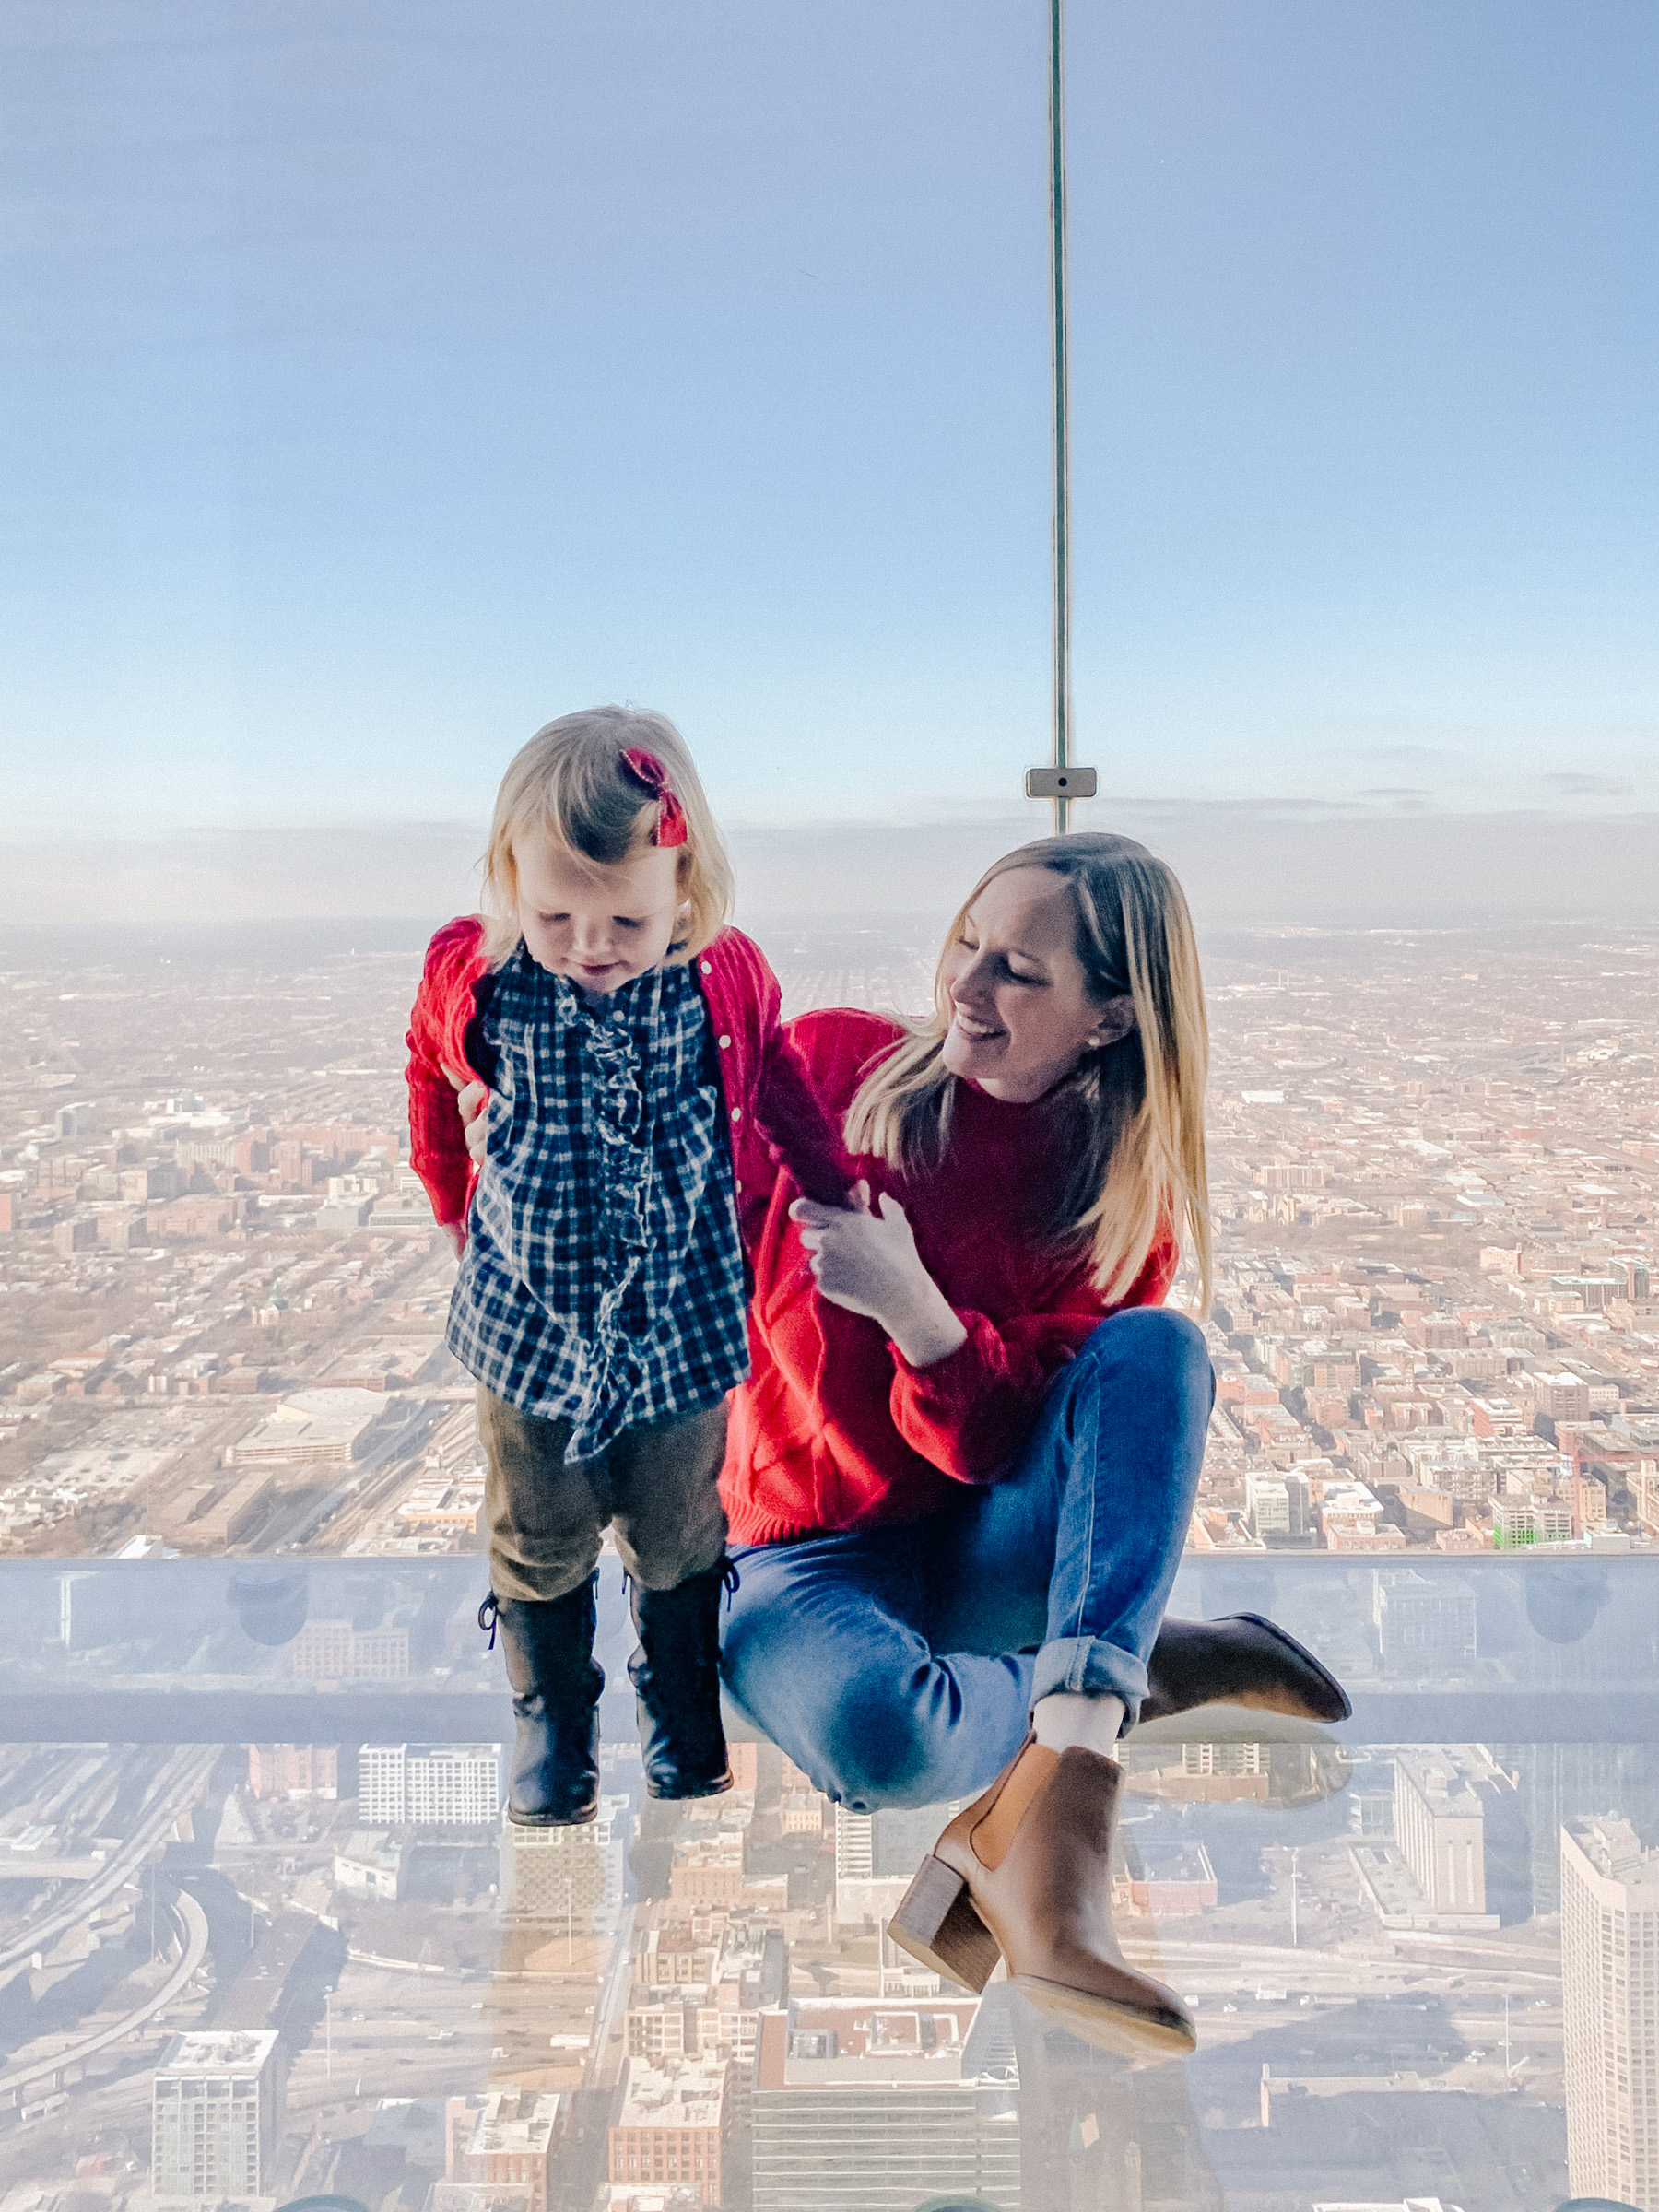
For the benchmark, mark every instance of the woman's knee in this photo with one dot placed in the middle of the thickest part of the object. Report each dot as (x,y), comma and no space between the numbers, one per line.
(894,1739)
(1158,1349)
(861,1735)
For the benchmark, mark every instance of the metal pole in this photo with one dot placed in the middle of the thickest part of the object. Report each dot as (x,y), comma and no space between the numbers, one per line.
(1063,781)
(1061,361)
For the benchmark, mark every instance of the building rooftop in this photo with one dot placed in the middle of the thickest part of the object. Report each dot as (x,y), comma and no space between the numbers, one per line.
(1614,1850)
(516,2120)
(231,2051)
(684,2093)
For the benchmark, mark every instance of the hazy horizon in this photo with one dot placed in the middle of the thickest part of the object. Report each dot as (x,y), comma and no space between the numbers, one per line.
(1242,867)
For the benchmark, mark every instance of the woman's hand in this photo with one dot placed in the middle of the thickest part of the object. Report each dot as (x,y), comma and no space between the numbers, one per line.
(866,1259)
(472,1099)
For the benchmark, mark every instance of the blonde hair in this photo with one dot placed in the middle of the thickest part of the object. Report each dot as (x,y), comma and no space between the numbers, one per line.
(1137,1162)
(568,782)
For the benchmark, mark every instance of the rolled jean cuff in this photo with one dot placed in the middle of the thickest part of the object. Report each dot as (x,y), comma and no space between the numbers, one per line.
(1097,1669)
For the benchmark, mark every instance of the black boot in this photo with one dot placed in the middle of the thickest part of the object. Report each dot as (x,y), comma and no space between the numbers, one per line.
(549,1646)
(1243,1659)
(676,1673)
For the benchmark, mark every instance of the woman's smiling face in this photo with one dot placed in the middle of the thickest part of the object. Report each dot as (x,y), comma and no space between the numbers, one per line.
(1021,1011)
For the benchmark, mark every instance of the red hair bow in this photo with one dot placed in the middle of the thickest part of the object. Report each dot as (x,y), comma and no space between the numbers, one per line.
(650,774)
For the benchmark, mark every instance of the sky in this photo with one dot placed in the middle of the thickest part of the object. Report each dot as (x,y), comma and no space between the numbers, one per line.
(379,378)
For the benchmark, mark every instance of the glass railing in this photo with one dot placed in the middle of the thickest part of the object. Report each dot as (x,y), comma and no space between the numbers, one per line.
(263,1933)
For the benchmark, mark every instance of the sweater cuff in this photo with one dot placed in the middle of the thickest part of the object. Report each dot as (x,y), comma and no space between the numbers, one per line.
(943,1373)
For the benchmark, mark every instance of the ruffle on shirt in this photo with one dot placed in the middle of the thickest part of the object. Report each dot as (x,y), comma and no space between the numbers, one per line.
(627,1175)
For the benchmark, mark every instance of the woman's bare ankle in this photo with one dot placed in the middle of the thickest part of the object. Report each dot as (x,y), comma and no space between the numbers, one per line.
(1068,1717)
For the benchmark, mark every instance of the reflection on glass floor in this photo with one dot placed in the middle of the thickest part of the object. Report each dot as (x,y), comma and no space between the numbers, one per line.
(263,1934)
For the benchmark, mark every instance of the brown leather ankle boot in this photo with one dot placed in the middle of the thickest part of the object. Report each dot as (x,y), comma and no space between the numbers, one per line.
(1026,1870)
(1243,1659)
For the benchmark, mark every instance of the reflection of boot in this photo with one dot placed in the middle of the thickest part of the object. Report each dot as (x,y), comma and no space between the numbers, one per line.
(1243,1659)
(1026,1870)
(549,1646)
(676,1674)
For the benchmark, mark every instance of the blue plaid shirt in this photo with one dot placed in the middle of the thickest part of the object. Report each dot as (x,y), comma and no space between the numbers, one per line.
(602,1279)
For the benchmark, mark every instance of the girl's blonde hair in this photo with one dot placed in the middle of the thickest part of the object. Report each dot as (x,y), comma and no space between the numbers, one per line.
(1136,1166)
(569,782)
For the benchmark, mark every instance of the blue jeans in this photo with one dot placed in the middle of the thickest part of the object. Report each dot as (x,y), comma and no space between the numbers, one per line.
(898,1666)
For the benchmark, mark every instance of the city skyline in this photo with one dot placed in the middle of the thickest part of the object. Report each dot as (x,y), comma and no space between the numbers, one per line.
(241,1493)
(1437,1239)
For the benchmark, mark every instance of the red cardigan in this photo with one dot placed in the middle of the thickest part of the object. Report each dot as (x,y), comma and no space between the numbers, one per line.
(775,1119)
(835,1430)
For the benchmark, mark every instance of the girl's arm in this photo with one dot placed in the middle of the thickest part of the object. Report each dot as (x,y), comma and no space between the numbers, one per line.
(786,1108)
(790,1115)
(443,1005)
(438,1142)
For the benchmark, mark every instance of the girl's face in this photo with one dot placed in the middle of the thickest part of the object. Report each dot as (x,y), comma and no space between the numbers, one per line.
(1022,1014)
(600,925)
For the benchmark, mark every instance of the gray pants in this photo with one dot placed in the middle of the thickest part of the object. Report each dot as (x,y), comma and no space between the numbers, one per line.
(657,1485)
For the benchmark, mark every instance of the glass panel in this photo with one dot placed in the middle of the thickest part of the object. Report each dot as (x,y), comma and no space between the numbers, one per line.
(372,373)
(258,1908)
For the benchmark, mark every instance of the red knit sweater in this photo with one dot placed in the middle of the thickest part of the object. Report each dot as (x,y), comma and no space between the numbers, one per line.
(835,1430)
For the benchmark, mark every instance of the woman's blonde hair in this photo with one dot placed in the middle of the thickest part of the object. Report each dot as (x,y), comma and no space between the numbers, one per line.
(568,782)
(1135,1169)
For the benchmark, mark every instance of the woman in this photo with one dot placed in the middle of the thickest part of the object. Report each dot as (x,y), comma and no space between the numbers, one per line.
(962,1470)
(960,1476)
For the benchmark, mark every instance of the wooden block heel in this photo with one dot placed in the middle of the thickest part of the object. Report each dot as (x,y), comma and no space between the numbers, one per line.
(937,1923)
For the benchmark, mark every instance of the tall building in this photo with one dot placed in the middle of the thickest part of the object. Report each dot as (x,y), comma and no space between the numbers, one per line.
(1611,2011)
(436,1785)
(1299,1495)
(333,1651)
(1229,1759)
(1560,1781)
(668,2132)
(552,1873)
(1441,1828)
(1278,1505)
(509,2144)
(455,1786)
(1423,1622)
(891,2126)
(1564,1397)
(877,1854)
(293,1771)
(383,1793)
(855,1845)
(1519,1521)
(215,2115)
(1266,1505)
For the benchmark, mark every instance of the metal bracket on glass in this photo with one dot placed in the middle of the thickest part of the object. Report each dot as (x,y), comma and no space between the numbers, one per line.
(1063,783)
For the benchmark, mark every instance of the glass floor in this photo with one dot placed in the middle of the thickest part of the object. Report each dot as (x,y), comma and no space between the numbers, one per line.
(264,1934)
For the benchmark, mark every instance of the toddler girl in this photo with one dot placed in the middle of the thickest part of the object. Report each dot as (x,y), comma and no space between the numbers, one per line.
(639,1080)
